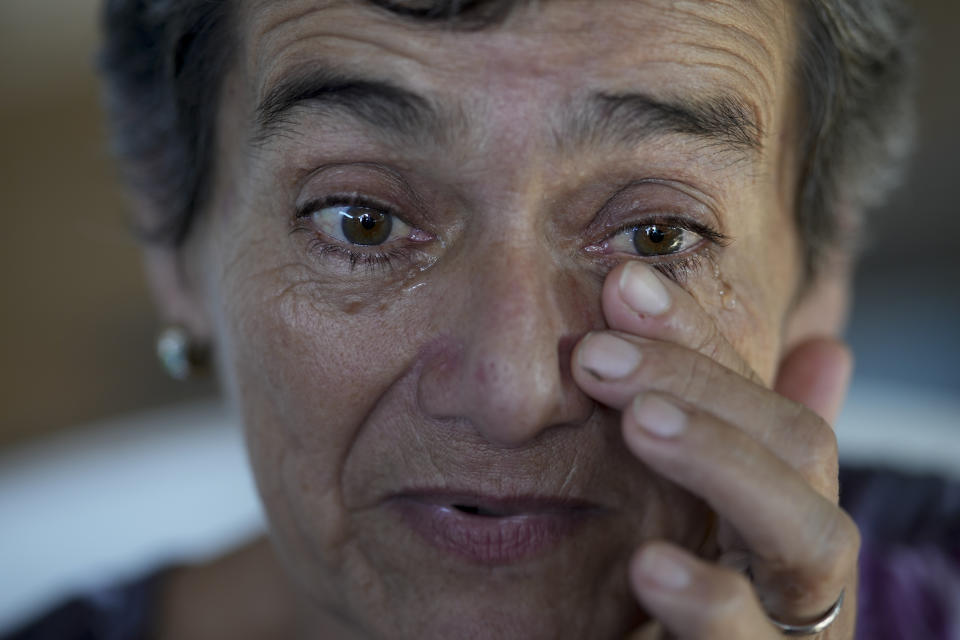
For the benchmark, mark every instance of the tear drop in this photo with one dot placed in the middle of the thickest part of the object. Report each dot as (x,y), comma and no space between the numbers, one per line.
(728,299)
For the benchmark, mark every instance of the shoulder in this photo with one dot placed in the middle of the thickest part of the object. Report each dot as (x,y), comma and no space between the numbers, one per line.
(122,612)
(896,508)
(910,554)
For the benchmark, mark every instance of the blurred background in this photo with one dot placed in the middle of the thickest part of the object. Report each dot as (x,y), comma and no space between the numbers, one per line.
(77,371)
(77,328)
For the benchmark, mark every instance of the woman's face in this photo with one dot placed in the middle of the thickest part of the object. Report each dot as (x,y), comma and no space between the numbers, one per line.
(409,231)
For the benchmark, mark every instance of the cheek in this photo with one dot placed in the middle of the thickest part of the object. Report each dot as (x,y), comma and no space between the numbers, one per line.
(747,291)
(299,373)
(752,328)
(764,282)
(298,362)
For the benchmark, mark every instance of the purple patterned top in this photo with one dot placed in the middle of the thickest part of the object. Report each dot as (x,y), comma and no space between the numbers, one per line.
(910,557)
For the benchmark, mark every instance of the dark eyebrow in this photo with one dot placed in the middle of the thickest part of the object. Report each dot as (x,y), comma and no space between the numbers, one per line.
(391,109)
(628,119)
(623,119)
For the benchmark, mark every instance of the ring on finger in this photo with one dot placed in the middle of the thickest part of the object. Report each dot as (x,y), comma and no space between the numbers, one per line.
(812,628)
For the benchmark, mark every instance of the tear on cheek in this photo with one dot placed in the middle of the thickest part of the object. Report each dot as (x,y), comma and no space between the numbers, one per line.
(728,306)
(724,291)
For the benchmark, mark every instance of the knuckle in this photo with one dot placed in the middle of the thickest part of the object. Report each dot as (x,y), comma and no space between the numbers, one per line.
(838,547)
(847,541)
(826,559)
(823,441)
(817,458)
(730,596)
(668,368)
(693,376)
(685,372)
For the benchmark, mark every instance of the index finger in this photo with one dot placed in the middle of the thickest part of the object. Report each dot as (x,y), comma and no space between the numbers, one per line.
(638,300)
(796,435)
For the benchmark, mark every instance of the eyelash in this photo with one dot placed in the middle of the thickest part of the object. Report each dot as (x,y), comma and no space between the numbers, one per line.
(373,260)
(680,267)
(677,267)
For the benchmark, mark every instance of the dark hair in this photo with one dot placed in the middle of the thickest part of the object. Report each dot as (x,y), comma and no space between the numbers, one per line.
(855,68)
(163,61)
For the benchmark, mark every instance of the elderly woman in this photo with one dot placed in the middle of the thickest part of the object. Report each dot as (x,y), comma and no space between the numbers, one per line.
(527,309)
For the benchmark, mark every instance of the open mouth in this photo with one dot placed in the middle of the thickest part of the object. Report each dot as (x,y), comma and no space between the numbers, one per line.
(475,510)
(491,529)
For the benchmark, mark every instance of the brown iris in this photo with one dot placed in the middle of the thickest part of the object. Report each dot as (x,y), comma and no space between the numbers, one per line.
(657,240)
(366,226)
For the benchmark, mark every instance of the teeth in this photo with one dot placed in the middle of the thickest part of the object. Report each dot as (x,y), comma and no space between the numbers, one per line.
(476,511)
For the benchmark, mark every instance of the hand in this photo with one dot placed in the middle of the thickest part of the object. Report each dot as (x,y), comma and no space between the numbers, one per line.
(764,461)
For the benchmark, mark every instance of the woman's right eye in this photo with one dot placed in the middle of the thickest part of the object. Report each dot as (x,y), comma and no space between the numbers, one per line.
(359,225)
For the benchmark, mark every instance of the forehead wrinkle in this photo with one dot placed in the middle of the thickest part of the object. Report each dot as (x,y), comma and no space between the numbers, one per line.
(735,55)
(733,12)
(332,92)
(414,120)
(264,30)
(720,123)
(760,117)
(260,33)
(750,89)
(268,26)
(273,66)
(750,56)
(747,98)
(736,62)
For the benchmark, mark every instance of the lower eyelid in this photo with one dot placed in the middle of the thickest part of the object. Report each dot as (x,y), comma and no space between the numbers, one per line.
(682,268)
(373,260)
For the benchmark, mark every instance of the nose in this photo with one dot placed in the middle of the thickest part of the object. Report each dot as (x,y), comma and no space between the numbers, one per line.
(512,320)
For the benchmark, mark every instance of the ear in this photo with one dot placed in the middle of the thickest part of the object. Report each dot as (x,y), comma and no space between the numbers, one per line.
(815,366)
(822,309)
(177,299)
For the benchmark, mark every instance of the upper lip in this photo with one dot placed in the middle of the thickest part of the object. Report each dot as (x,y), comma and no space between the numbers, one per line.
(504,505)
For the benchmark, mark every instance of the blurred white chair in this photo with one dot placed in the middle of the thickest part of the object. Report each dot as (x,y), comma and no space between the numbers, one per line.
(111,501)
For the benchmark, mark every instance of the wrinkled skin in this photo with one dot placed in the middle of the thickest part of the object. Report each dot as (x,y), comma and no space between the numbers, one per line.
(463,362)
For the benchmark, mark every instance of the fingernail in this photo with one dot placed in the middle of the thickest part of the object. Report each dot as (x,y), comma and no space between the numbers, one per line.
(608,357)
(659,416)
(661,567)
(642,290)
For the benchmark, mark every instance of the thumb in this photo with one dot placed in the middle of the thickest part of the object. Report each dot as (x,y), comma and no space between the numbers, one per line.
(816,373)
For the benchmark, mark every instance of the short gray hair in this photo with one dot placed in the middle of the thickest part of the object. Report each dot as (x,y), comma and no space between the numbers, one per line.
(856,66)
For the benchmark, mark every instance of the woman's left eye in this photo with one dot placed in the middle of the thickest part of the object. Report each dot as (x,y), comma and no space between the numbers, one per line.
(359,225)
(653,240)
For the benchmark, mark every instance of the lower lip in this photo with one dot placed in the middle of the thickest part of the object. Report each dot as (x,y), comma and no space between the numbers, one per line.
(489,540)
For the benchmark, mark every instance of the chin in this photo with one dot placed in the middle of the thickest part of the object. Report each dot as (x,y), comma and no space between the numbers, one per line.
(531,607)
(405,582)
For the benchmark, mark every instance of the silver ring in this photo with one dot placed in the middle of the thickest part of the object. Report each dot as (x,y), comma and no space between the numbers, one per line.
(814,627)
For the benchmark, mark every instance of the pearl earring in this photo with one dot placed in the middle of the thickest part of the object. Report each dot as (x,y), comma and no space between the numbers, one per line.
(180,356)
